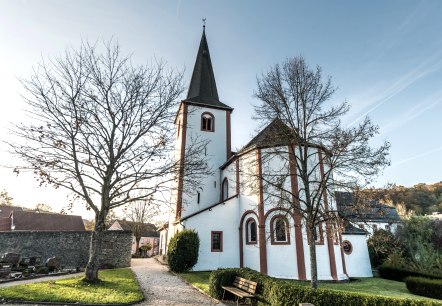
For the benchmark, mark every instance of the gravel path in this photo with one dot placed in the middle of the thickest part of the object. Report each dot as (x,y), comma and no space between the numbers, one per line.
(163,288)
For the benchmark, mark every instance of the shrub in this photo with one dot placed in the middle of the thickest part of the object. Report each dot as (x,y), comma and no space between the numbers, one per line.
(424,286)
(271,291)
(42,270)
(399,274)
(381,245)
(182,253)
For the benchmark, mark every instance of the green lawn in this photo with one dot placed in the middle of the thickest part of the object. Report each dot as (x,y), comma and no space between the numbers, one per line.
(118,286)
(198,279)
(372,286)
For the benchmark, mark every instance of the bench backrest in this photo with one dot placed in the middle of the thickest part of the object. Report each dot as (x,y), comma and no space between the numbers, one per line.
(245,285)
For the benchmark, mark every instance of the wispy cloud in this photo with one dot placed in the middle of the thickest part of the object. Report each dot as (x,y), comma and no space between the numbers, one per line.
(427,67)
(178,9)
(417,156)
(414,112)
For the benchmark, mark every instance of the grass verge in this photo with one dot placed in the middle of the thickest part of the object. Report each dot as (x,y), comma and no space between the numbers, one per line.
(198,279)
(371,286)
(117,286)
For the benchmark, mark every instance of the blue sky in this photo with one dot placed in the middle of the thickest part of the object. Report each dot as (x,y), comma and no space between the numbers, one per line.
(384,56)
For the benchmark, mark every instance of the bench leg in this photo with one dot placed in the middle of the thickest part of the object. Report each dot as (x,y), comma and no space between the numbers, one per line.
(224,292)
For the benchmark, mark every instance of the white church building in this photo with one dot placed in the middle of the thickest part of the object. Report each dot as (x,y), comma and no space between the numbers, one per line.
(237,227)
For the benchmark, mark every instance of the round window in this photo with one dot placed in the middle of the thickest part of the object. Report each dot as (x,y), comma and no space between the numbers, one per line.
(347,247)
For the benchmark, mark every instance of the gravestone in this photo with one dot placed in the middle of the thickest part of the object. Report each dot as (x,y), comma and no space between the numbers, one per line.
(53,263)
(25,261)
(4,271)
(36,261)
(10,258)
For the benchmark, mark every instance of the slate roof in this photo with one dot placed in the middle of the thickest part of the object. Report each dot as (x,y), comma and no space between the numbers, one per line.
(202,88)
(372,211)
(274,134)
(5,210)
(149,229)
(350,229)
(39,221)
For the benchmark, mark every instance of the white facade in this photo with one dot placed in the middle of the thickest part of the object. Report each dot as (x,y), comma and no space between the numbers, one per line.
(236,226)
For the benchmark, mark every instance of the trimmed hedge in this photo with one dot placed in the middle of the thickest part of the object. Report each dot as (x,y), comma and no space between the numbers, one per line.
(272,291)
(182,253)
(423,286)
(399,274)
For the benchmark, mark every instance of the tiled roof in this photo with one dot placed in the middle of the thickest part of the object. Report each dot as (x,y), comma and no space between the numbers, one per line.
(5,210)
(149,230)
(5,224)
(369,211)
(35,221)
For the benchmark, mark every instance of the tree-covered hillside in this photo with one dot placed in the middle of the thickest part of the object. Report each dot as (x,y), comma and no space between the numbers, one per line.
(420,199)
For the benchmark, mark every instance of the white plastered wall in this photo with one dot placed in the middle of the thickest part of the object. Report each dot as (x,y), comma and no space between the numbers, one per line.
(358,262)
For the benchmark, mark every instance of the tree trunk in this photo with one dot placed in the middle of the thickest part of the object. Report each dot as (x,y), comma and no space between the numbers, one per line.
(313,265)
(93,265)
(137,245)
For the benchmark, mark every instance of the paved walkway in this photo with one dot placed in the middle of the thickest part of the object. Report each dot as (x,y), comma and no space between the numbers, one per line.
(163,288)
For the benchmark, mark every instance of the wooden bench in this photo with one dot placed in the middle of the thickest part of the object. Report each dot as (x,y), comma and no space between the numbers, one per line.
(242,289)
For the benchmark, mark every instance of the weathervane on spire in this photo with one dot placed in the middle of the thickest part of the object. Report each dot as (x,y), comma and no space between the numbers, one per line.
(204,23)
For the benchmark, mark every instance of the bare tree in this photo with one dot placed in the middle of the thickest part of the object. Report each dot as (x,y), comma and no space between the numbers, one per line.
(102,128)
(309,153)
(140,213)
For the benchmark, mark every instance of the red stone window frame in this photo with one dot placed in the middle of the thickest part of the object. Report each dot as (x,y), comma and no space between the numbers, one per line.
(335,233)
(347,247)
(216,235)
(225,189)
(319,240)
(207,122)
(273,221)
(249,233)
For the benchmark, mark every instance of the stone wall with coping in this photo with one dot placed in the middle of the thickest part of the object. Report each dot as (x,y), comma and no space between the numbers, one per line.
(71,247)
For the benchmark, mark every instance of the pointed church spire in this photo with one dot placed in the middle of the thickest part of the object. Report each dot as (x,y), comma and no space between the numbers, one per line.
(202,88)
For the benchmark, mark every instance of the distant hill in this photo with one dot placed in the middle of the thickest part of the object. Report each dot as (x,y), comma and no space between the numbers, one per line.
(422,198)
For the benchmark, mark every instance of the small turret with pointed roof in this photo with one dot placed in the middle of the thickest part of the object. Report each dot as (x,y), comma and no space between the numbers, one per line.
(202,88)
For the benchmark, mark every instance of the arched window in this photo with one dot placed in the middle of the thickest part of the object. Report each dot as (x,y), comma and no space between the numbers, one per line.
(279,227)
(225,189)
(251,233)
(207,122)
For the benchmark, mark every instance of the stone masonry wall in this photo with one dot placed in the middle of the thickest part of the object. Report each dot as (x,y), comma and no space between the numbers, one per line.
(71,247)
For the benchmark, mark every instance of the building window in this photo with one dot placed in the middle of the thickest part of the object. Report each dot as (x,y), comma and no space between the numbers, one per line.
(207,122)
(225,189)
(319,234)
(335,229)
(198,197)
(251,233)
(279,227)
(179,127)
(375,228)
(217,241)
(347,247)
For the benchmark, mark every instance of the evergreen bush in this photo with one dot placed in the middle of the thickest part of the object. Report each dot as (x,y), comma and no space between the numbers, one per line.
(182,253)
(399,274)
(272,291)
(424,286)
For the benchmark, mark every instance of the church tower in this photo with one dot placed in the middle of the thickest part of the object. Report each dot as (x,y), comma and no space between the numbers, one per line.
(202,116)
